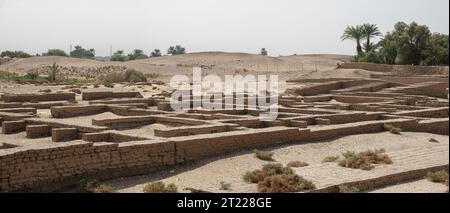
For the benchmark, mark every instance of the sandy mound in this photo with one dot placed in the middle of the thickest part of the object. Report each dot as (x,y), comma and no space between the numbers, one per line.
(219,63)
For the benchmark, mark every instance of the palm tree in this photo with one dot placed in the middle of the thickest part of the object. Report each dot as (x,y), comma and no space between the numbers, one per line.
(370,31)
(354,33)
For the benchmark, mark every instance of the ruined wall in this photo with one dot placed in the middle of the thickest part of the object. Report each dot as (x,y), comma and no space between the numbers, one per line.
(38,97)
(48,168)
(413,70)
(68,162)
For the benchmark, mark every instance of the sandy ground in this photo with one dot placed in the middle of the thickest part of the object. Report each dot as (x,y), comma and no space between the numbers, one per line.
(219,63)
(208,174)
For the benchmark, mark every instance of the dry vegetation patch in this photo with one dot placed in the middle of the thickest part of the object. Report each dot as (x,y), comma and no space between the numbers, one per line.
(438,177)
(160,187)
(264,155)
(364,160)
(296,164)
(330,159)
(274,178)
(348,189)
(392,129)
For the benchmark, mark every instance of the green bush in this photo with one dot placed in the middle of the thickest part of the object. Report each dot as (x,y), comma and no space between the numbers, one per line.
(56,52)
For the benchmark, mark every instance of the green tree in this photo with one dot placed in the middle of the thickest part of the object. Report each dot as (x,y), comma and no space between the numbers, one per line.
(137,54)
(177,50)
(15,54)
(80,52)
(119,56)
(56,52)
(370,31)
(264,52)
(354,33)
(156,53)
(437,51)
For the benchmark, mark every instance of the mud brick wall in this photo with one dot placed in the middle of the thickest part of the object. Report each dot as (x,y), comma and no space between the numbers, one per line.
(441,112)
(415,80)
(126,122)
(38,131)
(198,147)
(123,101)
(418,70)
(74,111)
(10,105)
(350,117)
(334,131)
(108,94)
(20,110)
(192,130)
(64,134)
(47,168)
(436,126)
(358,99)
(438,90)
(10,127)
(44,105)
(39,97)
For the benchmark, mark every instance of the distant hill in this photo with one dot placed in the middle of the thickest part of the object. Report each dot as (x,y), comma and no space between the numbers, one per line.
(212,62)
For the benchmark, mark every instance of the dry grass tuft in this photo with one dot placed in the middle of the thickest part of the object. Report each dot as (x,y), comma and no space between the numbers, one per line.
(160,187)
(438,177)
(433,140)
(330,159)
(296,164)
(392,129)
(347,189)
(364,160)
(274,178)
(264,155)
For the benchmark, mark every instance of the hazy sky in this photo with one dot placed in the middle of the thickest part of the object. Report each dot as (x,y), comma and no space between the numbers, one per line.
(281,26)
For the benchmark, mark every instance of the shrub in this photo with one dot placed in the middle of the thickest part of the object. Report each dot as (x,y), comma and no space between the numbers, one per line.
(160,187)
(392,129)
(364,160)
(267,170)
(264,155)
(104,188)
(127,76)
(296,164)
(438,177)
(433,140)
(284,184)
(347,189)
(225,186)
(278,184)
(56,52)
(330,159)
(93,186)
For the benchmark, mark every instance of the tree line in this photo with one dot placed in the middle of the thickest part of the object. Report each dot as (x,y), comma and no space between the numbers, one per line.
(406,44)
(80,52)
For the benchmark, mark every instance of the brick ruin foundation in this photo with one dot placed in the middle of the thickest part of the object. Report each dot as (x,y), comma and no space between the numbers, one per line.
(141,135)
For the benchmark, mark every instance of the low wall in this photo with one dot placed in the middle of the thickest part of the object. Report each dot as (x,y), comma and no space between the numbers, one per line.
(74,111)
(428,113)
(410,69)
(61,164)
(109,94)
(38,97)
